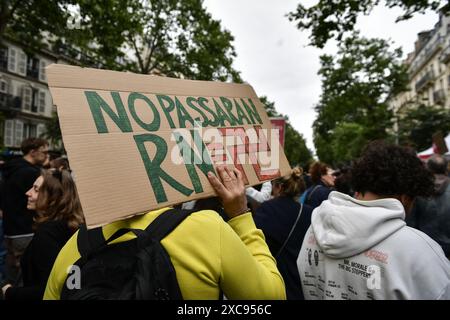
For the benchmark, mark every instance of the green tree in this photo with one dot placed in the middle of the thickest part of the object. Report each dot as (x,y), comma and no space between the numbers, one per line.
(420,123)
(355,84)
(348,141)
(295,147)
(174,38)
(334,19)
(53,132)
(102,27)
(181,38)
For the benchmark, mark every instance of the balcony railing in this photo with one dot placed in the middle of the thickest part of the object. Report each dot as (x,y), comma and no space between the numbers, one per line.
(3,63)
(445,56)
(439,97)
(8,102)
(76,54)
(425,54)
(33,73)
(425,80)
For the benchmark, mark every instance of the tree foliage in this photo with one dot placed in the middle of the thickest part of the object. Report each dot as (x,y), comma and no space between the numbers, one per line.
(169,37)
(53,133)
(181,38)
(295,147)
(355,85)
(96,28)
(334,19)
(417,127)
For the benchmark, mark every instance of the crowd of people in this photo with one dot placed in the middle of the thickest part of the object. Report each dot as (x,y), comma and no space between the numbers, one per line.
(378,229)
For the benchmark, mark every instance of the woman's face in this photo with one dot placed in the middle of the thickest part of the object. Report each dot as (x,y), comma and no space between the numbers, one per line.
(329,178)
(33,193)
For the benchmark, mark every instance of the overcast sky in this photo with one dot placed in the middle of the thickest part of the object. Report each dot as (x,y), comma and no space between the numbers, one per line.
(273,56)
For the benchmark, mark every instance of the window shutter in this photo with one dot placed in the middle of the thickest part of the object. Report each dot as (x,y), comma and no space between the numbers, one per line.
(26,98)
(3,86)
(18,132)
(12,59)
(9,133)
(40,130)
(22,65)
(41,101)
(42,74)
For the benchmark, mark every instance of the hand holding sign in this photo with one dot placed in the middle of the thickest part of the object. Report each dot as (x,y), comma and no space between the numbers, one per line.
(230,190)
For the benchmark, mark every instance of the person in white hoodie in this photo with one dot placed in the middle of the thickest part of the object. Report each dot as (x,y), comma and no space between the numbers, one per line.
(361,248)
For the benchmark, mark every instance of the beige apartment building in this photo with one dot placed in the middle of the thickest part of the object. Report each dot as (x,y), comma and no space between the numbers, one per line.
(25,102)
(428,69)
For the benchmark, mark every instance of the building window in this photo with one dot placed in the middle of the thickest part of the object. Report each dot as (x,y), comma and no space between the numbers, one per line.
(33,68)
(26,98)
(3,86)
(9,133)
(41,101)
(4,58)
(29,130)
(18,134)
(42,75)
(35,101)
(12,59)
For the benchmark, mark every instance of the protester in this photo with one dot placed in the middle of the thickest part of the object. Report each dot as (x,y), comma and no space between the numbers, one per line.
(342,182)
(55,199)
(361,248)
(19,175)
(256,197)
(284,222)
(262,195)
(60,163)
(210,256)
(306,176)
(323,180)
(432,215)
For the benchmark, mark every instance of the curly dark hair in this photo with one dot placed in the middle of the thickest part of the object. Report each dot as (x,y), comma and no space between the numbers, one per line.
(388,170)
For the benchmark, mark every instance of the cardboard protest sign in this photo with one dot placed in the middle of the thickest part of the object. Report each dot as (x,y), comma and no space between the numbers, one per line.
(279,123)
(138,142)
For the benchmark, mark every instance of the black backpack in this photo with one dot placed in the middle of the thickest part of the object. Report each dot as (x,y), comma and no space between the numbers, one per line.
(138,269)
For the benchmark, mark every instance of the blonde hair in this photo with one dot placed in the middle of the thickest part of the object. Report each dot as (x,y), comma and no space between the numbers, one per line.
(292,185)
(58,199)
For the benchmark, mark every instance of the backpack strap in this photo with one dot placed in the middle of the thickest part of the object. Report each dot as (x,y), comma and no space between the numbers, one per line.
(292,230)
(166,222)
(90,241)
(308,197)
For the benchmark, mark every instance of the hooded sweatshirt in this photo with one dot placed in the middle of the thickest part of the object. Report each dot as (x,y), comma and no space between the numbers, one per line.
(363,250)
(19,176)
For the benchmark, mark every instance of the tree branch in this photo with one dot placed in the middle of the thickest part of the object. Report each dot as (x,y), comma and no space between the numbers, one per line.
(138,55)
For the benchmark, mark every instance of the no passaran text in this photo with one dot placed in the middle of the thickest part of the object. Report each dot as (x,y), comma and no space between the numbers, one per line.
(227,112)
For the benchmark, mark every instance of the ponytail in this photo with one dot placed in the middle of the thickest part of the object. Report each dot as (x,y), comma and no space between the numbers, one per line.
(292,185)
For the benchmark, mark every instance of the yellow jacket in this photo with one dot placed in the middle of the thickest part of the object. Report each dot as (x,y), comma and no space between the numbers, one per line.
(208,254)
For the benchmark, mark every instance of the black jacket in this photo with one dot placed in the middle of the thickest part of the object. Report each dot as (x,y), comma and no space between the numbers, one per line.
(276,218)
(18,177)
(316,194)
(432,215)
(38,259)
